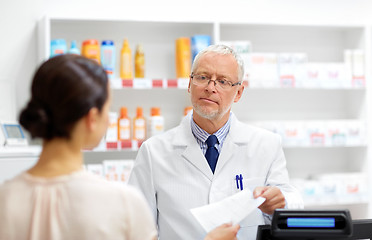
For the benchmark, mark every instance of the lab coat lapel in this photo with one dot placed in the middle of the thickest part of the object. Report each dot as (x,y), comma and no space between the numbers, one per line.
(228,150)
(193,154)
(231,144)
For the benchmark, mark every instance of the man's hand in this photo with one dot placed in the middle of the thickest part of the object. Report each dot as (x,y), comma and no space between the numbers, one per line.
(274,198)
(224,232)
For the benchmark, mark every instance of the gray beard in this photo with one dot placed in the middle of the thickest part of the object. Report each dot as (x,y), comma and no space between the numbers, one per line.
(214,115)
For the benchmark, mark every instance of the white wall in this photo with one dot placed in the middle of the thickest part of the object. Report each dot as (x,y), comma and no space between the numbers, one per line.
(18,18)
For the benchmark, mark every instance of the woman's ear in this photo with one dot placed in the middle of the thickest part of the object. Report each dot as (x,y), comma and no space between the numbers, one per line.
(91,119)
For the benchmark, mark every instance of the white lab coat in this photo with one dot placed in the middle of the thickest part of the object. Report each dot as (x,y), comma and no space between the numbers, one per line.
(172,172)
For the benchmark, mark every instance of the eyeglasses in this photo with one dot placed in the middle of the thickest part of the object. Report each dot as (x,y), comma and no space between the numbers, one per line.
(202,80)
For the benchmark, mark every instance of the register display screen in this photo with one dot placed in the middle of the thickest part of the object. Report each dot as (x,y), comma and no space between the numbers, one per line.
(13,131)
(311,222)
(315,222)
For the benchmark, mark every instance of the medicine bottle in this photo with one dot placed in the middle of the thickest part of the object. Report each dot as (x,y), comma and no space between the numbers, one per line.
(108,57)
(90,49)
(126,61)
(124,125)
(57,47)
(139,62)
(139,126)
(73,48)
(183,57)
(156,122)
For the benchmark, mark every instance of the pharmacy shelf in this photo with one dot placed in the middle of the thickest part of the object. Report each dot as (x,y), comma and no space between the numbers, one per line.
(357,208)
(97,156)
(301,104)
(324,160)
(292,147)
(100,155)
(92,157)
(360,199)
(321,43)
(335,203)
(320,147)
(157,38)
(182,83)
(255,104)
(289,147)
(148,83)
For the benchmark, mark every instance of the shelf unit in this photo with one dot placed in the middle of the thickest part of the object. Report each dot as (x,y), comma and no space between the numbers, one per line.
(321,43)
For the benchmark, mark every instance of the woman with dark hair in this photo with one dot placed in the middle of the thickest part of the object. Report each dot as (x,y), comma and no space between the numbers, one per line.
(56,198)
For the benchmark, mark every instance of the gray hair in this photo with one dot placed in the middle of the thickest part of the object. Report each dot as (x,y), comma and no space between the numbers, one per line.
(222,50)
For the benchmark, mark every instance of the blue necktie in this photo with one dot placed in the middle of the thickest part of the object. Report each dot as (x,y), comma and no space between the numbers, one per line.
(212,154)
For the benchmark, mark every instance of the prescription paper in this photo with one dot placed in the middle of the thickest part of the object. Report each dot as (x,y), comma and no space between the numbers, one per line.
(229,210)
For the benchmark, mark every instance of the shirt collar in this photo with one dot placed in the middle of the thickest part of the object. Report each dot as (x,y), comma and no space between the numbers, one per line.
(202,135)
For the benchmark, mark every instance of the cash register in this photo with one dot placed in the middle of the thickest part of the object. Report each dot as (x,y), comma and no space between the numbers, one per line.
(315,225)
(11,135)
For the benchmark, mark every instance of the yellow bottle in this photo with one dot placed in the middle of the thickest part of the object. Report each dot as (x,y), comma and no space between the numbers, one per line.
(139,126)
(126,61)
(139,62)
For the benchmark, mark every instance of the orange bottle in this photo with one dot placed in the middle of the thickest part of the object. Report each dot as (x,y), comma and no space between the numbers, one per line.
(139,126)
(183,57)
(91,50)
(124,125)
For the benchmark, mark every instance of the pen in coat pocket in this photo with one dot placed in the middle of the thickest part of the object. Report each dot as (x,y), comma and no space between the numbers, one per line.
(239,181)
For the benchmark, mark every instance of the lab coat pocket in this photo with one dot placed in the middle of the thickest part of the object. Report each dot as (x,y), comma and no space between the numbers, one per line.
(251,184)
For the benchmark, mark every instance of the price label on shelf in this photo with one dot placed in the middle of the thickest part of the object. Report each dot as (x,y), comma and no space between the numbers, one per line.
(172,83)
(158,83)
(287,81)
(142,83)
(112,145)
(358,81)
(127,83)
(183,83)
(116,83)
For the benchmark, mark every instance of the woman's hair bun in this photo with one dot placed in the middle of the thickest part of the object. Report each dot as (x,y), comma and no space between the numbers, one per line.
(34,118)
(63,90)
